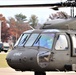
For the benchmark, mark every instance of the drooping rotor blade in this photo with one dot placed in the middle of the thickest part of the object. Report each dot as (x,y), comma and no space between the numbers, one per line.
(30,5)
(65,4)
(61,4)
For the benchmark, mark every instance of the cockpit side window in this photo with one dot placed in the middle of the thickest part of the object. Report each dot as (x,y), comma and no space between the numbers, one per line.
(61,43)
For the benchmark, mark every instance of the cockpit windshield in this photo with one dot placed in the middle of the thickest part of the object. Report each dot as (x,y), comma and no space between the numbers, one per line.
(35,39)
(23,39)
(45,40)
(31,39)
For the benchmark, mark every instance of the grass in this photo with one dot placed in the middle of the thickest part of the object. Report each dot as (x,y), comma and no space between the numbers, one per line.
(3,62)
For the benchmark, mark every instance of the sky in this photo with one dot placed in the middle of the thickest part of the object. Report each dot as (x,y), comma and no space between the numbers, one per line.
(27,1)
(41,13)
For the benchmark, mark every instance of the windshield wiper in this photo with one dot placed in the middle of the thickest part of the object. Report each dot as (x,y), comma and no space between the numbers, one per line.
(25,40)
(36,41)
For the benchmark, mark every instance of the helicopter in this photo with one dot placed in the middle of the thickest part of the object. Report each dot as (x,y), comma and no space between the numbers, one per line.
(44,50)
(50,48)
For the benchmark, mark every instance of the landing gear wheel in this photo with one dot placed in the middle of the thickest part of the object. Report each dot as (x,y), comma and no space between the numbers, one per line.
(39,73)
(5,51)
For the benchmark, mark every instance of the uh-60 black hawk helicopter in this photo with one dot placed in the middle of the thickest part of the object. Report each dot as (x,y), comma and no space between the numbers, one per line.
(51,48)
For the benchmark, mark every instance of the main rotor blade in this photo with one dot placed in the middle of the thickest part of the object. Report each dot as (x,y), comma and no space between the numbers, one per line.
(30,5)
(65,4)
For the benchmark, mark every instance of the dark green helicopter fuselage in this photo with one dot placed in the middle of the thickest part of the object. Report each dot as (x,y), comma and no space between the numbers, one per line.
(45,50)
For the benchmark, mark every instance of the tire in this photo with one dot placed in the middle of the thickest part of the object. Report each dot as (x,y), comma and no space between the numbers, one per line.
(39,73)
(5,51)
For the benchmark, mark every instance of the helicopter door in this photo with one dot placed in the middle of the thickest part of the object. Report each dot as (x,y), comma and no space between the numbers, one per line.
(61,51)
(74,45)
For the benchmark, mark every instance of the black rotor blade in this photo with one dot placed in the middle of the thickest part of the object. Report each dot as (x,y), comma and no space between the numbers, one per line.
(30,5)
(65,4)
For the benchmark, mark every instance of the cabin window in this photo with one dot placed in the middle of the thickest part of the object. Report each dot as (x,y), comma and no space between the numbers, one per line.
(74,41)
(61,43)
(45,40)
(74,45)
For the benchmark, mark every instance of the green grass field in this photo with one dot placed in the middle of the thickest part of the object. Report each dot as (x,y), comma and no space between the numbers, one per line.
(3,62)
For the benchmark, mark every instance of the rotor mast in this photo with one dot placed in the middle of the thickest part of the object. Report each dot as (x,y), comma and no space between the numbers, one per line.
(71,7)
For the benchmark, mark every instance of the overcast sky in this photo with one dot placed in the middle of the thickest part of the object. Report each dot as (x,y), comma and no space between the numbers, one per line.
(42,13)
(28,1)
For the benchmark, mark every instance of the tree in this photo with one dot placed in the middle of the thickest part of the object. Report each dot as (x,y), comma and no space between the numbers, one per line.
(11,21)
(33,21)
(4,32)
(16,28)
(20,17)
(4,29)
(61,15)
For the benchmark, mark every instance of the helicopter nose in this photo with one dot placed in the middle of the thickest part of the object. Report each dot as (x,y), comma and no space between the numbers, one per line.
(23,60)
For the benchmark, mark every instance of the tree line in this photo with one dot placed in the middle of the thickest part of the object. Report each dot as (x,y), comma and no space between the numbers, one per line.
(13,27)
